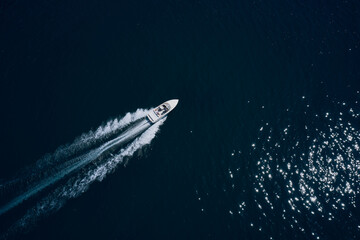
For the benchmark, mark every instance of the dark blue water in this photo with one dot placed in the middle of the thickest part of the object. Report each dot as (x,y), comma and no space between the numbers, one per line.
(264,143)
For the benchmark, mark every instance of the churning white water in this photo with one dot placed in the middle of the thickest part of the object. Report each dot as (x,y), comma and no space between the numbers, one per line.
(108,146)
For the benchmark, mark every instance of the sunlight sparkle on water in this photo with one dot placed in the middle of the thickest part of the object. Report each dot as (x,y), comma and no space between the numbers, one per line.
(316,174)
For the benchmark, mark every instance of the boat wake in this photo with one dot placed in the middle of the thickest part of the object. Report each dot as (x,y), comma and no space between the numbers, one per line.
(96,154)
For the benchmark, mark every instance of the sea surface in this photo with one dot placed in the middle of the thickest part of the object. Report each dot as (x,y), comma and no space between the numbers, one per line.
(264,143)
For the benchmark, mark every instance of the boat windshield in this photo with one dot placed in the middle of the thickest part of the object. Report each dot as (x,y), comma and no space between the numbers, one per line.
(162,109)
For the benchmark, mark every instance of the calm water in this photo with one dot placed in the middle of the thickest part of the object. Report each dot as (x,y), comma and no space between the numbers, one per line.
(264,144)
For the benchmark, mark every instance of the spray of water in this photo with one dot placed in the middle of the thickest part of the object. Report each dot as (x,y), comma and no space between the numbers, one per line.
(67,155)
(132,133)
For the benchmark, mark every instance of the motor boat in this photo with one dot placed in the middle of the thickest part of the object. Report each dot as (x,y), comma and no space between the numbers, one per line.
(162,110)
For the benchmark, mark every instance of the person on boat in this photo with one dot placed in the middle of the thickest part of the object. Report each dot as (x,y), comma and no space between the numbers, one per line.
(165,109)
(159,110)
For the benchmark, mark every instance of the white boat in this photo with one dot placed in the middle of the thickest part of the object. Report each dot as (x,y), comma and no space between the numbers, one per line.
(162,110)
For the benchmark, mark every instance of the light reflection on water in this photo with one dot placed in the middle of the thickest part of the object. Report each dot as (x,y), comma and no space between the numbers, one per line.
(300,179)
(309,172)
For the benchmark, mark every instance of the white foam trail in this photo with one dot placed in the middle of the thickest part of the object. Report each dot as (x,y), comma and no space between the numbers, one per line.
(78,162)
(78,184)
(116,124)
(52,163)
